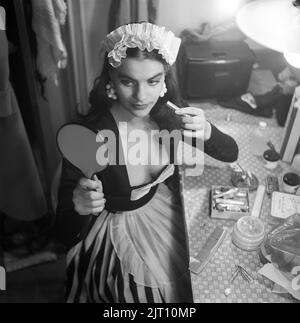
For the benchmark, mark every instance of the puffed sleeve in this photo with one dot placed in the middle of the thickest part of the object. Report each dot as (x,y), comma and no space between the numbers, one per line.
(221,146)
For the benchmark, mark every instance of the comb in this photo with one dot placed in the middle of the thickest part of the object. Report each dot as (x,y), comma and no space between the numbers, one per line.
(213,242)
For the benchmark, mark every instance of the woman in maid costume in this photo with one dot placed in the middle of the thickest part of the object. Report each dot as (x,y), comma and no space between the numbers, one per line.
(136,246)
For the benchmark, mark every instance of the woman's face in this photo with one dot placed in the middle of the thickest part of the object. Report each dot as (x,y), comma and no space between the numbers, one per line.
(138,83)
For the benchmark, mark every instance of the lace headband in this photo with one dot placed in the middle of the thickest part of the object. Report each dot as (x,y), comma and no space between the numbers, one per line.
(143,36)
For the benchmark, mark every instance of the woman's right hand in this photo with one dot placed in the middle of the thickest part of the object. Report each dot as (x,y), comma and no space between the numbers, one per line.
(88,197)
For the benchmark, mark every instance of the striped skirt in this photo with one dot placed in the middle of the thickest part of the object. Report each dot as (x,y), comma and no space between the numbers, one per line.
(133,256)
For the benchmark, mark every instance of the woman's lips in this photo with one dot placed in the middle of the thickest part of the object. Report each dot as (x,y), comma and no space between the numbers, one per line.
(141,106)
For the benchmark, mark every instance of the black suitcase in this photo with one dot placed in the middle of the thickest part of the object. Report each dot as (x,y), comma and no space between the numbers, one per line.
(214,69)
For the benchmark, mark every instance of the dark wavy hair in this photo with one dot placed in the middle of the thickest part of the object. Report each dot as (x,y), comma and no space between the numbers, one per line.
(100,102)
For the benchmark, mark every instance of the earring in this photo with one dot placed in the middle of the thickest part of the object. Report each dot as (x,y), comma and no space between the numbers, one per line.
(111,92)
(164,90)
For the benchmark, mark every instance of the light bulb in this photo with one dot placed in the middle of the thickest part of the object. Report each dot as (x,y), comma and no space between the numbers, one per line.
(293,59)
(272,23)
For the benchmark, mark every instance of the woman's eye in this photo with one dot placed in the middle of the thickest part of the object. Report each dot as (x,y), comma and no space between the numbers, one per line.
(126,82)
(153,82)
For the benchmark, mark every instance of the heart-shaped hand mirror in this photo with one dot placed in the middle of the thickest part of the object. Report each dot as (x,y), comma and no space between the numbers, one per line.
(80,146)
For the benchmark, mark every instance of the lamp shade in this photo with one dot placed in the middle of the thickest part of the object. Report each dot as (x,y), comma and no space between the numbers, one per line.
(293,59)
(272,23)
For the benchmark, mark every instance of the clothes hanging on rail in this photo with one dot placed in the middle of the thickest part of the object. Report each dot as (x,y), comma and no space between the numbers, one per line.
(21,193)
(47,18)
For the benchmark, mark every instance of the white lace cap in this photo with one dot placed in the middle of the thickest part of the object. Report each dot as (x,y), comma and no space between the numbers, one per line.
(143,36)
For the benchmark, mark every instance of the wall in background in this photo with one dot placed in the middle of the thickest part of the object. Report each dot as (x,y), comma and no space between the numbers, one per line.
(87,27)
(95,17)
(180,14)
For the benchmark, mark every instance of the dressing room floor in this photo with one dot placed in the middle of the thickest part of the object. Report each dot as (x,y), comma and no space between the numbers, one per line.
(42,283)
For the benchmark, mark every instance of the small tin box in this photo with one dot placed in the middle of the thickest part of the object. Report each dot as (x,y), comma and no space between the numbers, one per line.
(228,202)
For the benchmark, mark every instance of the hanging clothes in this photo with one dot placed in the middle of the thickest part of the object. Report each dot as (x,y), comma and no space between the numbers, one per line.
(47,18)
(21,192)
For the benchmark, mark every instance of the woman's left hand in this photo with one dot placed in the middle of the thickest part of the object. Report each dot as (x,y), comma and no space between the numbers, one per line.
(194,123)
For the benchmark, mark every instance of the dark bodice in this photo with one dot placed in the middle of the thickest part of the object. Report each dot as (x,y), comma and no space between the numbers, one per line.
(115,180)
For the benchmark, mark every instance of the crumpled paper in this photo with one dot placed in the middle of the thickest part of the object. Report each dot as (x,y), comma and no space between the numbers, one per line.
(289,282)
